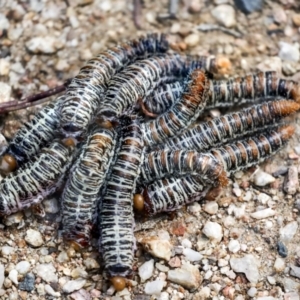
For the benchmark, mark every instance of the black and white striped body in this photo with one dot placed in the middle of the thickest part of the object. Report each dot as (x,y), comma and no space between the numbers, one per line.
(36,179)
(228,127)
(139,79)
(117,219)
(85,92)
(35,134)
(79,199)
(168,163)
(182,114)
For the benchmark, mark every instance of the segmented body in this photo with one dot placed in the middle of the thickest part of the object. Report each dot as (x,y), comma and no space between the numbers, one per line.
(182,114)
(226,93)
(117,220)
(139,79)
(36,179)
(228,127)
(79,199)
(85,92)
(35,134)
(171,193)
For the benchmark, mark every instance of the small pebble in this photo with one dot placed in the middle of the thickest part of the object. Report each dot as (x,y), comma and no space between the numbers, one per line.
(192,40)
(291,181)
(192,255)
(28,283)
(62,257)
(288,232)
(279,265)
(247,6)
(146,270)
(7,250)
(23,267)
(4,23)
(234,246)
(161,268)
(248,265)
(13,276)
(44,45)
(46,272)
(296,19)
(262,214)
(263,198)
(271,280)
(2,269)
(157,247)
(186,243)
(175,262)
(279,15)
(225,15)
(154,287)
(79,272)
(213,231)
(50,291)
(204,293)
(51,206)
(188,276)
(289,51)
(295,271)
(282,250)
(91,263)
(34,238)
(261,178)
(211,207)
(73,285)
(14,218)
(5,91)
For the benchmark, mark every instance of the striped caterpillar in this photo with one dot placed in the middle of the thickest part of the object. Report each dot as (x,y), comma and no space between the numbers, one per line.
(34,135)
(182,114)
(168,194)
(224,93)
(36,179)
(79,199)
(139,79)
(85,92)
(117,220)
(228,127)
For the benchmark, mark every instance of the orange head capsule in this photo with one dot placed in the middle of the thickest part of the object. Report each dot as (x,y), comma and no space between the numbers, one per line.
(8,164)
(138,202)
(118,282)
(69,142)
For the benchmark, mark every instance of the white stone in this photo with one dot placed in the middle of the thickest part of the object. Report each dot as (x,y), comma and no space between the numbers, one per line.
(234,246)
(248,196)
(46,272)
(229,221)
(288,231)
(23,267)
(271,280)
(211,207)
(192,40)
(154,287)
(13,276)
(34,238)
(270,63)
(279,264)
(248,265)
(194,208)
(50,291)
(186,243)
(51,206)
(295,271)
(157,247)
(213,231)
(4,23)
(7,250)
(264,213)
(237,192)
(252,292)
(222,262)
(224,14)
(289,51)
(239,212)
(45,45)
(204,292)
(2,277)
(4,67)
(192,255)
(146,270)
(263,198)
(261,178)
(5,92)
(74,285)
(188,276)
(163,296)
(208,274)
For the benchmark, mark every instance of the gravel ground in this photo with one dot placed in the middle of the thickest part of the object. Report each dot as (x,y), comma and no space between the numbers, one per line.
(244,244)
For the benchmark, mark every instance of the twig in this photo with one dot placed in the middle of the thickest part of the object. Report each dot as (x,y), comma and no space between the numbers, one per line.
(209,27)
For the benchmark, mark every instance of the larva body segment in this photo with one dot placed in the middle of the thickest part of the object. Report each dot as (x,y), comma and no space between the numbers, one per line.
(117,220)
(79,199)
(85,92)
(34,135)
(161,99)
(245,153)
(36,179)
(167,163)
(228,127)
(252,87)
(169,194)
(182,114)
(139,79)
